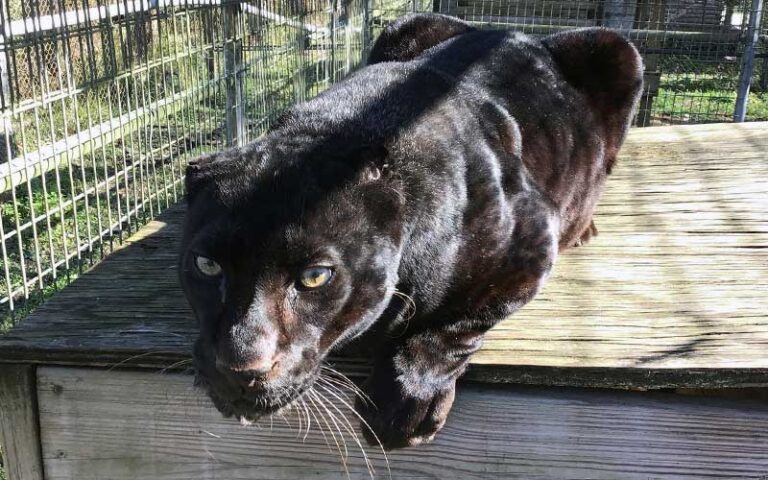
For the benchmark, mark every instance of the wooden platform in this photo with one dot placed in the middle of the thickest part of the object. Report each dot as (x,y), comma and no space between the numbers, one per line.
(671,294)
(137,425)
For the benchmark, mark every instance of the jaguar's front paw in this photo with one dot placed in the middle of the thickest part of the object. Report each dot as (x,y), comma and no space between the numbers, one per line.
(398,418)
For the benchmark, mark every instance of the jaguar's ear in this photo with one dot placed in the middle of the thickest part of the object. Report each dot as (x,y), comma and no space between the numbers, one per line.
(228,175)
(199,175)
(607,68)
(407,37)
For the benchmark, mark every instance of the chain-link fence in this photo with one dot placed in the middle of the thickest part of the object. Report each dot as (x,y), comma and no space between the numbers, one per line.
(103,102)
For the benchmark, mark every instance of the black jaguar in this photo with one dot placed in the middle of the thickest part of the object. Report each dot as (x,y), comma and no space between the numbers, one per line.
(411,206)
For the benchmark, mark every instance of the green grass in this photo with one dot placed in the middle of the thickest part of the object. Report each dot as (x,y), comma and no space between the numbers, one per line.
(694,104)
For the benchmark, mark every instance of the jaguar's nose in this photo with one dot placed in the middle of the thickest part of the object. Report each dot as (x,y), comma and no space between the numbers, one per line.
(248,374)
(247,351)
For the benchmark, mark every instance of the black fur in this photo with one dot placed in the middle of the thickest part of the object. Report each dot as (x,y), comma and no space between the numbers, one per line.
(451,170)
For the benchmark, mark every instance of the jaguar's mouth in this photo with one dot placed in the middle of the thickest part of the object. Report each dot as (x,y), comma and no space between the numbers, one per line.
(248,405)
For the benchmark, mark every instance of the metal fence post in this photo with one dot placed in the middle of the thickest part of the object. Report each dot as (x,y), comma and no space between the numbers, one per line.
(367,30)
(300,77)
(233,73)
(619,14)
(763,81)
(748,62)
(347,43)
(444,6)
(6,125)
(333,7)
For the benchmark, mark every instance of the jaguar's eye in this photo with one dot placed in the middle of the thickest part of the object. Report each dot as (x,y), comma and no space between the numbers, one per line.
(315,277)
(207,267)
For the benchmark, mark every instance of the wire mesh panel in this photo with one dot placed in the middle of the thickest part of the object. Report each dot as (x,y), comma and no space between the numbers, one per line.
(291,51)
(752,100)
(105,101)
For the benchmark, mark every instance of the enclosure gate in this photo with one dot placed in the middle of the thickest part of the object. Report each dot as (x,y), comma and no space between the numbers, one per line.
(104,101)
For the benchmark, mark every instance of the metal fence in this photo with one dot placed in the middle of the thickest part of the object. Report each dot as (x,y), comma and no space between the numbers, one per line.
(103,102)
(700,55)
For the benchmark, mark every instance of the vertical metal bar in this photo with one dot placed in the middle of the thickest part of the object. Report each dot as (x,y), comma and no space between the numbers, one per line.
(748,61)
(144,33)
(25,148)
(367,29)
(444,7)
(333,4)
(348,42)
(300,78)
(233,72)
(264,84)
(170,35)
(138,132)
(163,34)
(6,151)
(66,84)
(763,82)
(93,49)
(188,105)
(650,17)
(6,126)
(95,217)
(619,14)
(6,272)
(44,66)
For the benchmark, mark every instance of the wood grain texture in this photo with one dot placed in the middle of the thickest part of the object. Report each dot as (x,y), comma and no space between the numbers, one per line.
(674,278)
(19,431)
(125,425)
(671,292)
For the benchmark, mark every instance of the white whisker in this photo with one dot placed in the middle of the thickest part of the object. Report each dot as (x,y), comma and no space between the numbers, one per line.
(299,419)
(290,427)
(351,431)
(308,420)
(174,365)
(319,426)
(314,397)
(342,379)
(365,423)
(323,401)
(134,357)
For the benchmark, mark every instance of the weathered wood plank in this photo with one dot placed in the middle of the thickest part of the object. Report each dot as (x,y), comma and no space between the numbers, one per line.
(144,425)
(673,279)
(669,294)
(19,431)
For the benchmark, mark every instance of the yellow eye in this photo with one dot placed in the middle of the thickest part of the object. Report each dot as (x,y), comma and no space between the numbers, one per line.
(207,267)
(315,277)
